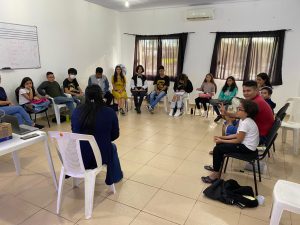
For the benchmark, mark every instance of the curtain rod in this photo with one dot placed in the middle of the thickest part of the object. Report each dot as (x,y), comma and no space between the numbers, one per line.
(214,32)
(156,34)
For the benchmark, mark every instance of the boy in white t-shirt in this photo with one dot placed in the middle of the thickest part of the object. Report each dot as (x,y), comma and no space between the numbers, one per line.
(245,140)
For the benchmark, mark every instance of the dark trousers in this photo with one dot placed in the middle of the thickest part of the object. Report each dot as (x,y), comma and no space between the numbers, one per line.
(109,97)
(203,101)
(221,149)
(138,97)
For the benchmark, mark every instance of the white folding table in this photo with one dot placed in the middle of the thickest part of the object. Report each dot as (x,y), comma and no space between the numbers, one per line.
(16,143)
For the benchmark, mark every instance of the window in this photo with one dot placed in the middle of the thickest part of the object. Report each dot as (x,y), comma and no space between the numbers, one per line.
(244,55)
(153,51)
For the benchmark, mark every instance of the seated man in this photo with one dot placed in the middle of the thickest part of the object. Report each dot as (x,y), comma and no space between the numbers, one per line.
(100,79)
(71,86)
(161,85)
(51,88)
(265,118)
(9,108)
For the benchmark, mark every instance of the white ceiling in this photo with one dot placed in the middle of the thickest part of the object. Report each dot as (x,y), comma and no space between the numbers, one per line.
(119,5)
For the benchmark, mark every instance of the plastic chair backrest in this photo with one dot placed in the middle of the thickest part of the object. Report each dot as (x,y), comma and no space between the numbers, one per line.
(295,112)
(282,112)
(68,147)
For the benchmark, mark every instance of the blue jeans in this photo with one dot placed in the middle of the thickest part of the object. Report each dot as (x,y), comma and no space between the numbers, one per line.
(19,112)
(155,98)
(65,100)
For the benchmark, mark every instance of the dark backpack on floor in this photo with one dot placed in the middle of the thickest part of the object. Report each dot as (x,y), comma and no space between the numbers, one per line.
(231,193)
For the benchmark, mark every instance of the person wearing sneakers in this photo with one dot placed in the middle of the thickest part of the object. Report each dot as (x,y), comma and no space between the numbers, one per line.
(206,91)
(182,87)
(161,84)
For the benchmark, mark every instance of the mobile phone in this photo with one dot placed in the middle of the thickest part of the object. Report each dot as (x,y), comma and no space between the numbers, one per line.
(29,136)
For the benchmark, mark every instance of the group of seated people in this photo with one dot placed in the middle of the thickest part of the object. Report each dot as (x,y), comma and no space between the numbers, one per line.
(254,119)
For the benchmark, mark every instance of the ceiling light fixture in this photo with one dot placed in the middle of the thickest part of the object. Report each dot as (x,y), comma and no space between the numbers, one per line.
(127,4)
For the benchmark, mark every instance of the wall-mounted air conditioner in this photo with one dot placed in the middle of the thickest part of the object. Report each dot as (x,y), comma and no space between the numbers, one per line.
(200,14)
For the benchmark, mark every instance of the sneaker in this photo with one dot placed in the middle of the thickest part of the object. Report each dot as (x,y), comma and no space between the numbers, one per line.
(39,126)
(218,118)
(178,113)
(204,114)
(171,112)
(150,109)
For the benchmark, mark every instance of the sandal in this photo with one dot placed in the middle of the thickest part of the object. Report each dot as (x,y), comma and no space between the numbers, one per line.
(208,180)
(209,168)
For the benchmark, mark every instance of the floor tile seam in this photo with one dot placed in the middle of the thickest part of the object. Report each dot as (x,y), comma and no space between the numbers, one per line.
(152,214)
(59,215)
(40,209)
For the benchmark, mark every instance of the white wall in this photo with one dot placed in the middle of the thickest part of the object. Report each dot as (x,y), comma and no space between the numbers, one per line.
(72,33)
(246,16)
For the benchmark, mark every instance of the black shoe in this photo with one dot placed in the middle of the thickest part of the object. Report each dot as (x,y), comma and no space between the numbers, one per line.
(218,118)
(122,112)
(39,126)
(138,110)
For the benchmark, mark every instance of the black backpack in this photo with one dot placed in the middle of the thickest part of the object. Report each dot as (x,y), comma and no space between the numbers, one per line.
(231,193)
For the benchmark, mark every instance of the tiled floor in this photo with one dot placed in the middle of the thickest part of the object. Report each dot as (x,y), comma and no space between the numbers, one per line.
(162,159)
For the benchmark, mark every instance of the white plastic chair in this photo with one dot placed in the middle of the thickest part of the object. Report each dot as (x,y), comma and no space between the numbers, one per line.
(57,108)
(68,148)
(286,196)
(293,123)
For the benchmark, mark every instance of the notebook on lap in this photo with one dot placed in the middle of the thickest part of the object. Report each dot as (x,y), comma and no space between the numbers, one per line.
(18,129)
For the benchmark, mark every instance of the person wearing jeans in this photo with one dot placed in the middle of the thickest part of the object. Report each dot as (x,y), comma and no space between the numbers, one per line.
(51,88)
(161,85)
(8,108)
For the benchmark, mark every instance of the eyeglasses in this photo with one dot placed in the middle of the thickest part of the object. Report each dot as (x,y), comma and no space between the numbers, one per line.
(240,109)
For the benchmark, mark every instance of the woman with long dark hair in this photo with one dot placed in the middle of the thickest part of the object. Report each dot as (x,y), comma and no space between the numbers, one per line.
(227,93)
(119,88)
(206,91)
(94,118)
(263,80)
(29,98)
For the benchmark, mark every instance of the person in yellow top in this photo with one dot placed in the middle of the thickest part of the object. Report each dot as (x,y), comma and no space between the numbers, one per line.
(119,88)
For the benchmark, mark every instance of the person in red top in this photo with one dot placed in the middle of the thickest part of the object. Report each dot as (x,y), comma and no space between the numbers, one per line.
(265,117)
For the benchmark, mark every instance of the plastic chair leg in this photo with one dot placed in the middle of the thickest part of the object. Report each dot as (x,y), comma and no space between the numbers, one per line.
(89,182)
(57,114)
(60,189)
(276,213)
(284,135)
(296,133)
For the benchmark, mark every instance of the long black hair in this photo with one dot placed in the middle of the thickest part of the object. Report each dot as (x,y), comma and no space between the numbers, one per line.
(116,75)
(265,78)
(89,109)
(232,87)
(22,85)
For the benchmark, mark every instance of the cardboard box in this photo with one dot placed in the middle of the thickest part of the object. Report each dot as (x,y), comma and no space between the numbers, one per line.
(5,131)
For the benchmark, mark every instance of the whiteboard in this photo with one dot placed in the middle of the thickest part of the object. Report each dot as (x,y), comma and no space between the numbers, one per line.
(19,47)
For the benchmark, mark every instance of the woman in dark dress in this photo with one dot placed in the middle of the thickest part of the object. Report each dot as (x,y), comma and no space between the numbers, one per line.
(94,118)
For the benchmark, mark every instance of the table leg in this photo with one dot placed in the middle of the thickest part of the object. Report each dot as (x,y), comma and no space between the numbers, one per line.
(50,162)
(16,162)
